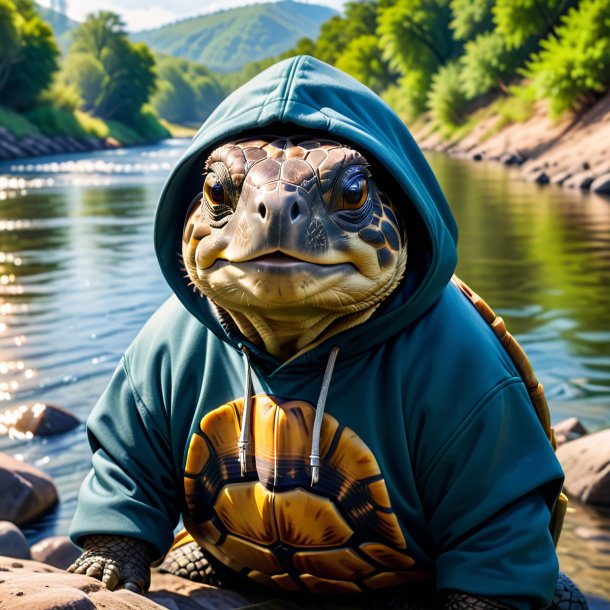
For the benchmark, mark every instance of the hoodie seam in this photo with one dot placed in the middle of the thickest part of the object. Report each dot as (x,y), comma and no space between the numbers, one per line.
(142,407)
(479,407)
(289,85)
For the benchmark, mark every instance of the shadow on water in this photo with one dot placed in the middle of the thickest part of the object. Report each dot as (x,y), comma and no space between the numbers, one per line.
(78,278)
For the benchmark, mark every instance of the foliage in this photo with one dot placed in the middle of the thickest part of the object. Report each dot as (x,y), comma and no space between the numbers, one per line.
(485,64)
(446,99)
(114,77)
(225,41)
(518,20)
(29,54)
(409,95)
(575,64)
(360,19)
(470,17)
(16,123)
(187,92)
(415,34)
(362,59)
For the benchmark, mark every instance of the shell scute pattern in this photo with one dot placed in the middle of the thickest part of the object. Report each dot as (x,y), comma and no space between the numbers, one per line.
(271,525)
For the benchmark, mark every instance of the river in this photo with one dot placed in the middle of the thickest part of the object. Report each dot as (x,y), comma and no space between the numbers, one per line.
(78,278)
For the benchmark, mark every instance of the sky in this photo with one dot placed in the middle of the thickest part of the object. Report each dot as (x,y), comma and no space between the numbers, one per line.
(146,14)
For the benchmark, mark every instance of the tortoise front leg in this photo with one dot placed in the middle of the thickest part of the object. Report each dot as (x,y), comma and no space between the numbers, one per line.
(116,561)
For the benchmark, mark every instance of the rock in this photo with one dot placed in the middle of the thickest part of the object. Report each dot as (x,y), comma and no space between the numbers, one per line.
(57,551)
(514,158)
(29,585)
(561,177)
(586,463)
(568,430)
(13,542)
(580,180)
(539,177)
(601,184)
(25,492)
(181,594)
(39,419)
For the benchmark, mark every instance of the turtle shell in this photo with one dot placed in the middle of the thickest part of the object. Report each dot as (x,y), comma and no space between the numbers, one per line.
(341,535)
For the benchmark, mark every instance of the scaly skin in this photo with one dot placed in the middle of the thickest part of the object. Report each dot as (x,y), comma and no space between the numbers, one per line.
(292,240)
(118,561)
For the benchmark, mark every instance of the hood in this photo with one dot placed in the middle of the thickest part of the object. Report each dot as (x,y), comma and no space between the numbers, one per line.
(315,97)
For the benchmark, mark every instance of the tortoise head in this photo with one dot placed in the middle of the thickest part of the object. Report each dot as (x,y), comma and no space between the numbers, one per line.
(293,239)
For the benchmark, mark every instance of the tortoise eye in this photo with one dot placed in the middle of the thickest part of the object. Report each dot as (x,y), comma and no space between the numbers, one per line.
(214,190)
(355,193)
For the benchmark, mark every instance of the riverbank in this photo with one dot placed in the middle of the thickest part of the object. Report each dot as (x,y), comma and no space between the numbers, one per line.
(38,145)
(52,131)
(573,152)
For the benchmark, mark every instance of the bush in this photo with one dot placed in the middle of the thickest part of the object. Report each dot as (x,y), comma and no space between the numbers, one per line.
(484,65)
(16,123)
(446,100)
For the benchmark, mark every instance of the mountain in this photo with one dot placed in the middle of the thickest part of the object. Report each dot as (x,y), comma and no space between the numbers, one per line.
(225,41)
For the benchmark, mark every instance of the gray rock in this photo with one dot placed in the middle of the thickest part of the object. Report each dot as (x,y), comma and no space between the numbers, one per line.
(568,430)
(13,542)
(40,419)
(580,180)
(539,177)
(26,493)
(601,184)
(57,551)
(29,585)
(514,158)
(586,463)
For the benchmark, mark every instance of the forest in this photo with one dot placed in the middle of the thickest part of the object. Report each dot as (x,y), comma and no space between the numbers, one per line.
(442,59)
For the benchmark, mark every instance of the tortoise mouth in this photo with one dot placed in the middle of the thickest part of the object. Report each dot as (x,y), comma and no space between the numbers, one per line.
(277,258)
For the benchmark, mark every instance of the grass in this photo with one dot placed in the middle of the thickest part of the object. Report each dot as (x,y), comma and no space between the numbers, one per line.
(178,131)
(17,124)
(52,121)
(517,107)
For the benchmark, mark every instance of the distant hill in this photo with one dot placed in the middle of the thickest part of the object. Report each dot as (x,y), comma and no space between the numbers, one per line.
(62,25)
(227,40)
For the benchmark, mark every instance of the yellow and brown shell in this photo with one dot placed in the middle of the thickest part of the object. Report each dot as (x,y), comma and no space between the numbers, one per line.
(271,525)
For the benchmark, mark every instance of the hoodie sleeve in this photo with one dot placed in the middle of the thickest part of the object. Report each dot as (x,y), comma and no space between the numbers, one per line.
(489,495)
(131,489)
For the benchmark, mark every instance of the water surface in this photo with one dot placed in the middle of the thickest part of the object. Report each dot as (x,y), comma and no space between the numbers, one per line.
(78,278)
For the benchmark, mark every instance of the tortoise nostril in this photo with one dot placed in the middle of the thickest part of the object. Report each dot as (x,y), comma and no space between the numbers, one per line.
(262,210)
(295,211)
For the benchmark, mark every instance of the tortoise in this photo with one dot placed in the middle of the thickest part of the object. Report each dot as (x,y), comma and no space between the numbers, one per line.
(320,238)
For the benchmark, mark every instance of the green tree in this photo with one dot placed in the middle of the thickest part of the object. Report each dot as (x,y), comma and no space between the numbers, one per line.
(31,54)
(573,66)
(470,18)
(416,34)
(187,92)
(486,64)
(119,76)
(360,19)
(519,20)
(446,99)
(10,38)
(362,59)
(416,40)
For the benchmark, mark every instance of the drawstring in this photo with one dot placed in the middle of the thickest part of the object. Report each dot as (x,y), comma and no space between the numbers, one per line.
(243,444)
(314,458)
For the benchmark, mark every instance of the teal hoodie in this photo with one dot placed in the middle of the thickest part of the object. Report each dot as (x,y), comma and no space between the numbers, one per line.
(424,386)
